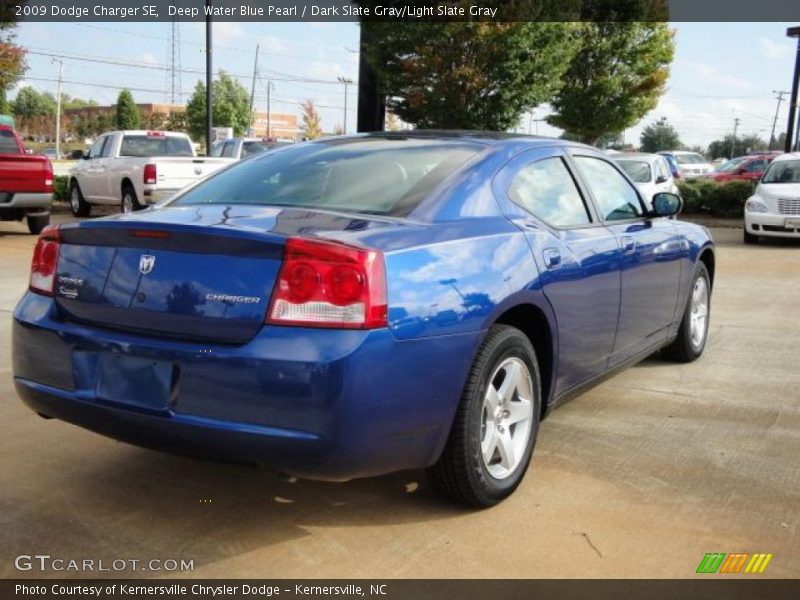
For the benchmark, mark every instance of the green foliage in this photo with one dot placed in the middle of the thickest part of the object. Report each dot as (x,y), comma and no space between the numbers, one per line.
(231,107)
(616,77)
(127,113)
(13,63)
(469,75)
(743,145)
(659,136)
(719,199)
(30,103)
(60,188)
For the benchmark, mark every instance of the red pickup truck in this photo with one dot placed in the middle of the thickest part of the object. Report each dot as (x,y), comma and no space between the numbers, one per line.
(26,183)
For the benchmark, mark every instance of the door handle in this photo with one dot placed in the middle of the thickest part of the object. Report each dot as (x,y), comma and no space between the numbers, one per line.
(552,258)
(628,244)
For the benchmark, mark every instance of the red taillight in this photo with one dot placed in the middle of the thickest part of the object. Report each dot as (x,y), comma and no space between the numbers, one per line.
(48,176)
(151,234)
(150,174)
(45,259)
(327,284)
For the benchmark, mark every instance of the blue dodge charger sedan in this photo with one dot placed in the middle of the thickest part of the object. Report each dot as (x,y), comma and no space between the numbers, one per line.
(360,305)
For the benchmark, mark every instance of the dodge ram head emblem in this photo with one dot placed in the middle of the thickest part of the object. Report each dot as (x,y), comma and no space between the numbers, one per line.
(146,263)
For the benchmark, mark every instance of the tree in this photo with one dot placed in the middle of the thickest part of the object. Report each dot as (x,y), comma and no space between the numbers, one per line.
(742,145)
(231,107)
(659,136)
(615,78)
(469,75)
(127,113)
(312,122)
(13,62)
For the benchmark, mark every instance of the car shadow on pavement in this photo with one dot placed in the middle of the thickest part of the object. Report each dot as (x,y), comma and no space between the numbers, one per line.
(131,502)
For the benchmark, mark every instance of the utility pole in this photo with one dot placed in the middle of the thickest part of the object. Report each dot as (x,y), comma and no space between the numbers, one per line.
(733,143)
(209,80)
(775,121)
(346,83)
(793,32)
(269,106)
(253,88)
(58,105)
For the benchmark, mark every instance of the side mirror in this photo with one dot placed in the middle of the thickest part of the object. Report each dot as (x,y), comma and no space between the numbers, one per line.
(661,179)
(666,204)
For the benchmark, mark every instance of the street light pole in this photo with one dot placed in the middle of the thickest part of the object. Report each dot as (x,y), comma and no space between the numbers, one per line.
(58,105)
(733,142)
(346,83)
(793,32)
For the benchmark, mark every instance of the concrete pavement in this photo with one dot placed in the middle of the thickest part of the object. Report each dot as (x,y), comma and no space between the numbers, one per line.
(639,477)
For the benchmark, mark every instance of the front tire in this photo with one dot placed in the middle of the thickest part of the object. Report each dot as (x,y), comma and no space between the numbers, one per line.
(693,332)
(749,238)
(495,427)
(37,224)
(77,204)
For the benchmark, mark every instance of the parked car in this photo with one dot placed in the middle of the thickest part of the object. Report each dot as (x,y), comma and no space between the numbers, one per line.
(673,166)
(650,173)
(239,148)
(743,168)
(290,310)
(691,164)
(49,153)
(134,169)
(774,209)
(26,183)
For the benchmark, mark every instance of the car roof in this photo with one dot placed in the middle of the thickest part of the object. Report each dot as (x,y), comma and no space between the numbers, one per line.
(490,138)
(787,156)
(645,156)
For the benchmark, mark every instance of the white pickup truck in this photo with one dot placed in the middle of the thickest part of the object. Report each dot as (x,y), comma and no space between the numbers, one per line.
(133,169)
(239,148)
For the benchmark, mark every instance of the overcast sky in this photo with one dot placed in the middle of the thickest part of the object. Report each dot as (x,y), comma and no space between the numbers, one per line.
(721,71)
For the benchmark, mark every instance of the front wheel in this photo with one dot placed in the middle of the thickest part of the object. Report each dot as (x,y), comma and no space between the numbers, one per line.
(693,332)
(37,224)
(77,203)
(494,431)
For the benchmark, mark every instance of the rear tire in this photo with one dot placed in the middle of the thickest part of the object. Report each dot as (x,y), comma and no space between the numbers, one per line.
(484,460)
(130,203)
(37,224)
(749,238)
(693,332)
(77,204)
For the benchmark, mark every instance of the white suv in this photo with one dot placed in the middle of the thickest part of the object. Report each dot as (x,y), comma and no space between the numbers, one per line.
(774,208)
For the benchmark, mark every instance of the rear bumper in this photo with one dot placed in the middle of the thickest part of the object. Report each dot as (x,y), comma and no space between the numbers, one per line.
(155,195)
(30,201)
(771,224)
(323,404)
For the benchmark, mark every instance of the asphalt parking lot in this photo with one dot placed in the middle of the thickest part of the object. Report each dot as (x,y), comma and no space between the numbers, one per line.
(639,477)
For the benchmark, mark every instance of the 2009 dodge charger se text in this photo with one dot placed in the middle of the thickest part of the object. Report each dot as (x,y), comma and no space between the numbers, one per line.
(361,305)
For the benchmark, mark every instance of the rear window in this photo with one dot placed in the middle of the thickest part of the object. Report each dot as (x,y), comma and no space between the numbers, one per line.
(371,176)
(637,170)
(148,145)
(8,145)
(250,148)
(689,158)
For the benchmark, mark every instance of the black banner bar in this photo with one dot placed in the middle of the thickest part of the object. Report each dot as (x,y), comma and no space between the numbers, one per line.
(712,588)
(397,10)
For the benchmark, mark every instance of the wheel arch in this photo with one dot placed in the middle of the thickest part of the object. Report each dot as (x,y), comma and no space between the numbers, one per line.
(708,258)
(534,323)
(126,181)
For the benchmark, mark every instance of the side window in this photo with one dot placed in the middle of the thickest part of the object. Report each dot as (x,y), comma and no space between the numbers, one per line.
(97,148)
(616,199)
(216,150)
(755,166)
(546,189)
(106,152)
(227,150)
(663,168)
